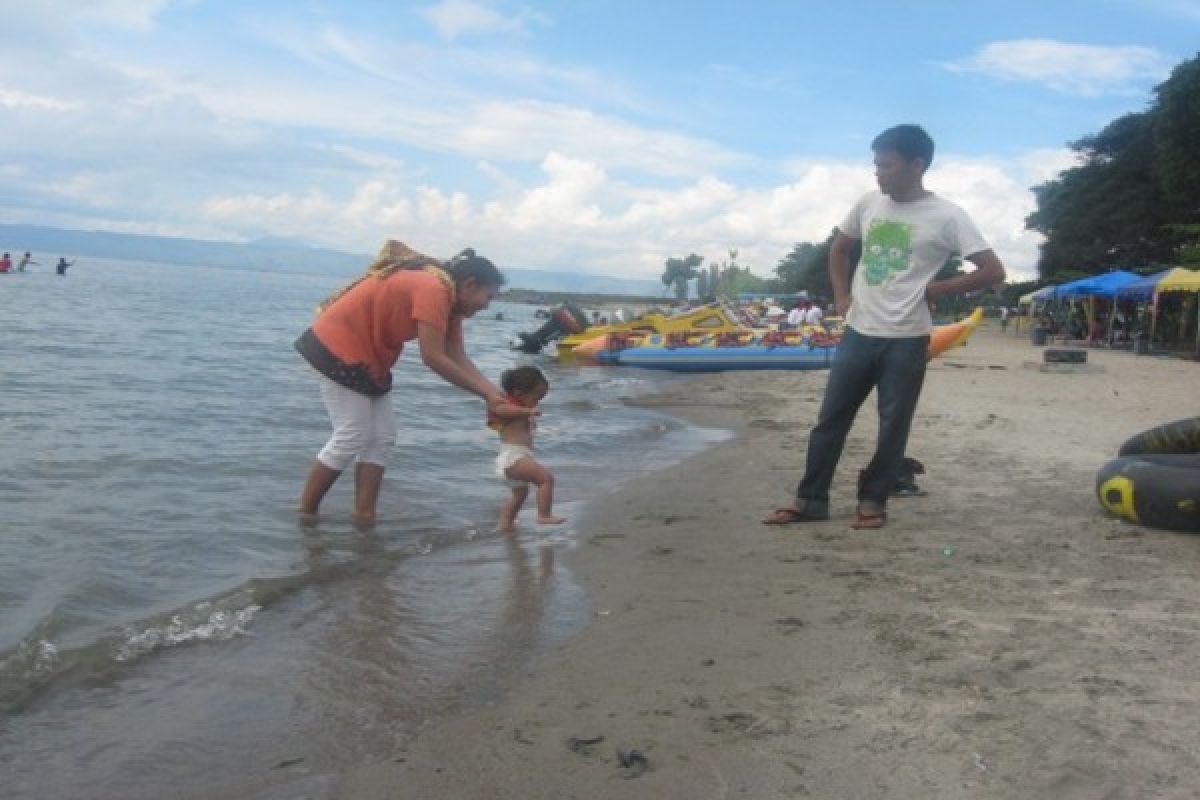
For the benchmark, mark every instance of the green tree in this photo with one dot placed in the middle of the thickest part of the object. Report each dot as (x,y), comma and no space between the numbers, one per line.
(792,269)
(1136,189)
(1189,246)
(1106,212)
(735,279)
(679,271)
(1177,142)
(1010,293)
(702,283)
(806,268)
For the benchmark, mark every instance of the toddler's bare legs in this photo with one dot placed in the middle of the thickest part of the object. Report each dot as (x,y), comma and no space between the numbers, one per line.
(531,471)
(508,514)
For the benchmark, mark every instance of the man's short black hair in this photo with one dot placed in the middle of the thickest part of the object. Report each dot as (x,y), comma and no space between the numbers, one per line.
(910,141)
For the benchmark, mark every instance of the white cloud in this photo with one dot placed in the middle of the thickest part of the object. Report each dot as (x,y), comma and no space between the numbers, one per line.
(526,130)
(567,200)
(455,18)
(362,142)
(389,99)
(1039,166)
(1081,69)
(133,14)
(13,99)
(576,215)
(50,15)
(515,130)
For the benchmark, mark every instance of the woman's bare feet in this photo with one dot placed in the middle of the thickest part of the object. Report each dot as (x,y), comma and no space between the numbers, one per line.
(549,519)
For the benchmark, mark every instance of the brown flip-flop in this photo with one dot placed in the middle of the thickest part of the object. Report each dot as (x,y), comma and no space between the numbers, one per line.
(789,515)
(869,520)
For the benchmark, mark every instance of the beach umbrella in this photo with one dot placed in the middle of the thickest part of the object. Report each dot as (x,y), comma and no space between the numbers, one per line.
(1184,280)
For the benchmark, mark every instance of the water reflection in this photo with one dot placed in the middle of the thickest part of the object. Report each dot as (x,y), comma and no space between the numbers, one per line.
(402,639)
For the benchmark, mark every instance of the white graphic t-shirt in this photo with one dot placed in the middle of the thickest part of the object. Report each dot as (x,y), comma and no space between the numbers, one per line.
(903,247)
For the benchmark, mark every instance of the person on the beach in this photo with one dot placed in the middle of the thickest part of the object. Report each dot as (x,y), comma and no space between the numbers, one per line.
(813,316)
(907,234)
(514,420)
(25,261)
(61,266)
(5,263)
(355,341)
(795,317)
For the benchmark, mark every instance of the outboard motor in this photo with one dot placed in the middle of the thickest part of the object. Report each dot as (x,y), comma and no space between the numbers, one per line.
(567,319)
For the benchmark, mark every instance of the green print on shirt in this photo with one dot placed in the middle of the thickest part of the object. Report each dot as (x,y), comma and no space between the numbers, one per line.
(887,250)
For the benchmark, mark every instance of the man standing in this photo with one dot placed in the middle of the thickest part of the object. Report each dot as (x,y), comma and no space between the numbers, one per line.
(907,234)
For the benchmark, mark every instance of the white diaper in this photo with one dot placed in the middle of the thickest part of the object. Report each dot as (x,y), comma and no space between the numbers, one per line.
(509,455)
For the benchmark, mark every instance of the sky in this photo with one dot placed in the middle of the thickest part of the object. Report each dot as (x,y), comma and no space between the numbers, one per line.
(602,136)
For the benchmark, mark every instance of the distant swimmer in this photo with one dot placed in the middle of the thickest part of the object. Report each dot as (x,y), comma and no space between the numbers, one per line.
(26,260)
(61,267)
(5,263)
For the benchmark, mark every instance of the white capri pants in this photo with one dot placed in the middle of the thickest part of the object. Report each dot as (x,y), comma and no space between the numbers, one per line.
(363,427)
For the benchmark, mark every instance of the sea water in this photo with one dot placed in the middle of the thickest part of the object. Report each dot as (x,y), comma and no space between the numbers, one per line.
(167,623)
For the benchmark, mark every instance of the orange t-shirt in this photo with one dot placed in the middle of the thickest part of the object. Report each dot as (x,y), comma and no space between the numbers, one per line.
(369,324)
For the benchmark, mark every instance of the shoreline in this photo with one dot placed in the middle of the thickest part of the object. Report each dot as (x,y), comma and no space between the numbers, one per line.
(1000,638)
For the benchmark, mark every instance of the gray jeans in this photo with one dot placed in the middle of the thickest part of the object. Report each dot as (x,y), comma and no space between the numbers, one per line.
(895,368)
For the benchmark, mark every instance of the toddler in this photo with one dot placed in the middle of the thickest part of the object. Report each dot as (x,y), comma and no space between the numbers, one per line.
(524,388)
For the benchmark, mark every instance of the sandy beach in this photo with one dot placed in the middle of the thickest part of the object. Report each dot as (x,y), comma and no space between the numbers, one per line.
(1001,638)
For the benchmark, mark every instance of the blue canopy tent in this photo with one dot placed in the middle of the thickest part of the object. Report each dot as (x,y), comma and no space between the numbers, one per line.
(1143,288)
(1030,303)
(1147,290)
(1105,285)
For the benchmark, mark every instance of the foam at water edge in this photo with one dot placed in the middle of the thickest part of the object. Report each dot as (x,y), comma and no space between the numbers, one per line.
(217,626)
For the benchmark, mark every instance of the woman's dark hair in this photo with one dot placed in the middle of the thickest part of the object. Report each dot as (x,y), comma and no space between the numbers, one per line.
(468,265)
(910,141)
(396,256)
(522,379)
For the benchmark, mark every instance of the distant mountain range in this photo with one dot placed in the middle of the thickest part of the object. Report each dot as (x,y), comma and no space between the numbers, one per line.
(275,255)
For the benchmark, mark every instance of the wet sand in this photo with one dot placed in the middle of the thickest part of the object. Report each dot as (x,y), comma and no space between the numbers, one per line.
(1001,638)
